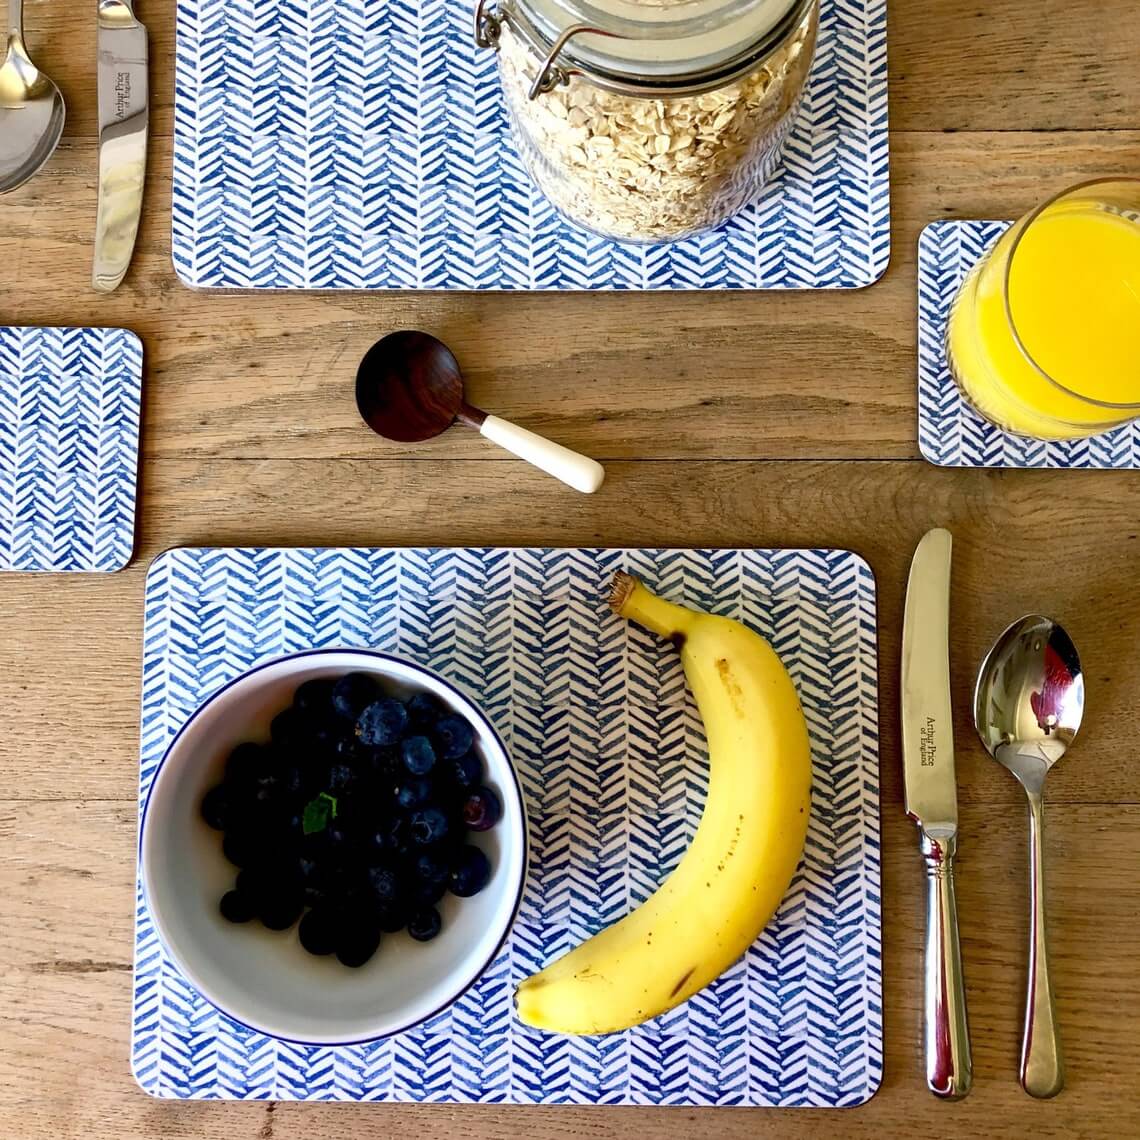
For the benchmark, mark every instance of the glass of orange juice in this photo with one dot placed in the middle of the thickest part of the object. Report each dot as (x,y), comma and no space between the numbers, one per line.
(1044,335)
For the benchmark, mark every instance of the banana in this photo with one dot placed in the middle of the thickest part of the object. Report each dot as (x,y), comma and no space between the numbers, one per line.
(742,858)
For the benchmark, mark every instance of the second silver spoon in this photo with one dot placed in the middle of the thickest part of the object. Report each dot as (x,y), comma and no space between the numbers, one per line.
(1028,706)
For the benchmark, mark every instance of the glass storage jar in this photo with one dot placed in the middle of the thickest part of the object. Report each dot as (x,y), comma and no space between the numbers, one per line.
(650,120)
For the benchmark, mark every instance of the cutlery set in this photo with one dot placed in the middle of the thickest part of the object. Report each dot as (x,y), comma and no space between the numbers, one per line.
(1028,704)
(32,115)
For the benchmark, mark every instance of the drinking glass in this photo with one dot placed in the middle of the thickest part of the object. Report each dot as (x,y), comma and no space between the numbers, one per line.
(1044,335)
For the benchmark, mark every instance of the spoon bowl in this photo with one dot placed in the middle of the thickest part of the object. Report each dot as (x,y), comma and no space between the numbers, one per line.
(32,110)
(409,388)
(1030,696)
(1028,706)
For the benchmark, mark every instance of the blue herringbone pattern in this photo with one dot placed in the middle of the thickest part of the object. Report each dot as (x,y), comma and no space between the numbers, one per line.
(69,440)
(362,144)
(610,750)
(950,432)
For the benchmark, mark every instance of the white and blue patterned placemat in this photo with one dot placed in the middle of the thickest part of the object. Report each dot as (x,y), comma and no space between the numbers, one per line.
(950,432)
(362,144)
(610,750)
(69,445)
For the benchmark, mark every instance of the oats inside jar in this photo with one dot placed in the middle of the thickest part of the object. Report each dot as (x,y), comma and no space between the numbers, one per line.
(646,169)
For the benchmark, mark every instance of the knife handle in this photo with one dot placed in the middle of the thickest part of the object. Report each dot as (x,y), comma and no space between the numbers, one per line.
(949,1068)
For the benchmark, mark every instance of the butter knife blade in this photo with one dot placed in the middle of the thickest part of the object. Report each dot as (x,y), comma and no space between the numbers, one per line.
(927,729)
(932,802)
(124,109)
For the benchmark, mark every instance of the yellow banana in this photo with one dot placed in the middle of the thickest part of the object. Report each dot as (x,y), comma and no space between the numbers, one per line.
(742,858)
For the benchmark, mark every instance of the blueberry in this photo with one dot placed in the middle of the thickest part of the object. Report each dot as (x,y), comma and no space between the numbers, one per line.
(267,786)
(467,771)
(389,835)
(424,893)
(470,871)
(236,907)
(281,908)
(319,931)
(337,838)
(482,810)
(392,918)
(291,779)
(287,729)
(240,847)
(454,737)
(382,763)
(428,825)
(385,884)
(353,693)
(348,750)
(245,763)
(341,779)
(413,792)
(430,869)
(382,722)
(215,807)
(251,882)
(418,755)
(424,710)
(357,943)
(424,924)
(315,696)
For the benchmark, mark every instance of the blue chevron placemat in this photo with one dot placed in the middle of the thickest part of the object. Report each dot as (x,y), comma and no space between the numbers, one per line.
(610,750)
(950,432)
(362,144)
(69,446)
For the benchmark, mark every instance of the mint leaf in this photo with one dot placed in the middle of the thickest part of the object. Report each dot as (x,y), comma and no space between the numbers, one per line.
(317,813)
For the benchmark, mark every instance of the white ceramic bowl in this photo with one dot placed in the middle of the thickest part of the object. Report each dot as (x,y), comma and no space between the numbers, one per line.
(264,978)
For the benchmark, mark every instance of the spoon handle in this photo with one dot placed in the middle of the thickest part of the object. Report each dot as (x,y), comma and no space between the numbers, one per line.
(1042,1066)
(949,1065)
(576,470)
(16,18)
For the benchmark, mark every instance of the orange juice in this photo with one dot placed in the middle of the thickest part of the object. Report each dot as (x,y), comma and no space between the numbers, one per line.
(1044,337)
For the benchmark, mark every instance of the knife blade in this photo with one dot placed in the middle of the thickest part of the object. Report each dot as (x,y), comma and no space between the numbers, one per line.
(124,111)
(932,802)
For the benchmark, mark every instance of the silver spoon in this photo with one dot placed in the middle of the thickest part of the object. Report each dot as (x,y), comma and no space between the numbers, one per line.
(1027,708)
(31,109)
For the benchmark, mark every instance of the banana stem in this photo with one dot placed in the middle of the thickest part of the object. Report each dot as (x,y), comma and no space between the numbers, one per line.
(638,603)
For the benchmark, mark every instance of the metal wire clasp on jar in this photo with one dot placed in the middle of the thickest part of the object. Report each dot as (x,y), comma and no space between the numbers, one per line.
(650,120)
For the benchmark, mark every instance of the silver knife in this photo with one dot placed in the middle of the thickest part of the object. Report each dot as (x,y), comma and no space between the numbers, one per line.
(123,119)
(932,802)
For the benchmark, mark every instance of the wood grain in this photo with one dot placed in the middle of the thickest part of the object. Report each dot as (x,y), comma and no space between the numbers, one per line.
(752,419)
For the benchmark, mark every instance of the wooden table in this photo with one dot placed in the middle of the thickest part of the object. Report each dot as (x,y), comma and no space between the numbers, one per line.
(755,419)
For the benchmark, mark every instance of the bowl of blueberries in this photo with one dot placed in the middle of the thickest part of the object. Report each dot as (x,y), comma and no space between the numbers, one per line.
(333,847)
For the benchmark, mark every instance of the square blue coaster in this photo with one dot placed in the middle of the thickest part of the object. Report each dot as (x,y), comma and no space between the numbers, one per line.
(69,444)
(950,432)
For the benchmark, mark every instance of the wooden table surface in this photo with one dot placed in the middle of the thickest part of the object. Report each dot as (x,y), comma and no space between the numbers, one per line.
(754,419)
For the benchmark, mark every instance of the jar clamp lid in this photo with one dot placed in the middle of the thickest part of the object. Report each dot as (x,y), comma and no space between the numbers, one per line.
(640,48)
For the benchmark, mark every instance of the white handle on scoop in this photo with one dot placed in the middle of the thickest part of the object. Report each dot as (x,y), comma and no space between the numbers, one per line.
(577,471)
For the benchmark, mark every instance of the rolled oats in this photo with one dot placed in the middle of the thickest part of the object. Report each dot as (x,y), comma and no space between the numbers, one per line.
(650,169)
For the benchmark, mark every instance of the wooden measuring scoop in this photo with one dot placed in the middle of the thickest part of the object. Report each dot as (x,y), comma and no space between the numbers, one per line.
(409,388)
